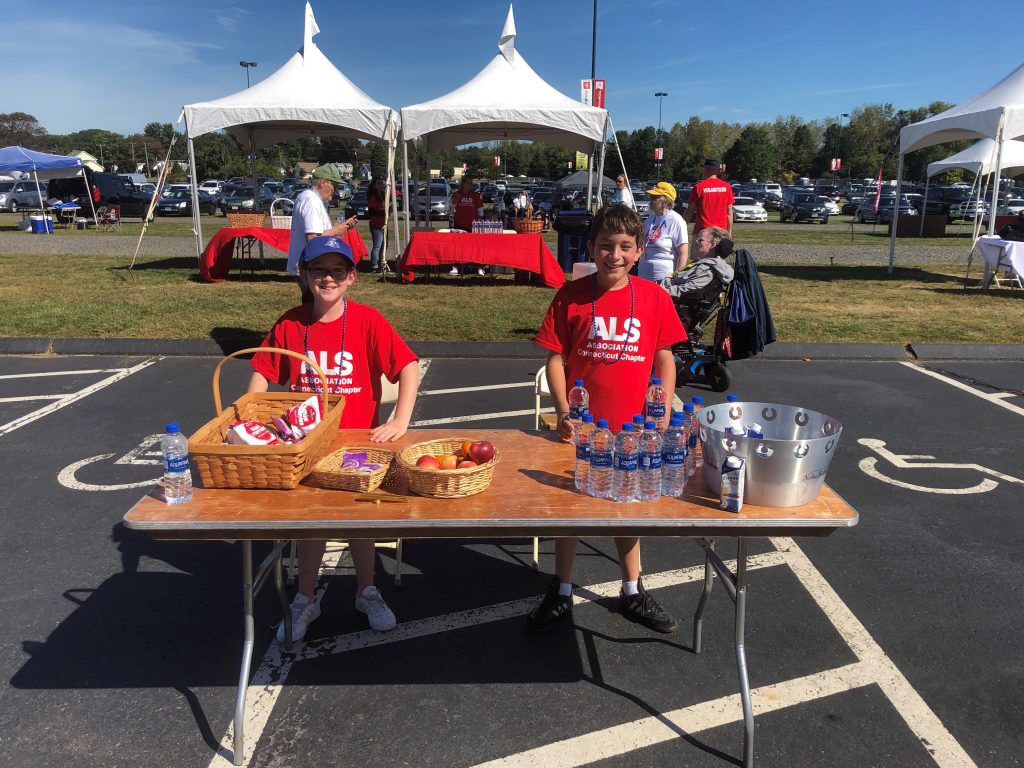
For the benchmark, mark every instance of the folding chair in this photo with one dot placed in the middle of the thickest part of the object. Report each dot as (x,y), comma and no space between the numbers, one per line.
(541,420)
(111,216)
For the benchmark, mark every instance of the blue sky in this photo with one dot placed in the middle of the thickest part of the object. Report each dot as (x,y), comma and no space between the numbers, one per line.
(738,60)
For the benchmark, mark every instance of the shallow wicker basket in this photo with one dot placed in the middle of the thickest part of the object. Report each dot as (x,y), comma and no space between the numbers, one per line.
(261,466)
(279,220)
(329,474)
(240,220)
(444,483)
(528,226)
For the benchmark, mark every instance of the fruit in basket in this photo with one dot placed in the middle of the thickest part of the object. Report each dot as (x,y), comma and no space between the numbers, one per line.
(481,452)
(448,461)
(428,462)
(467,464)
(467,446)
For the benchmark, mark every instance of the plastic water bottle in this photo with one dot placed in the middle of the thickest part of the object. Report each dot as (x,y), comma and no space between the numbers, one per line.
(602,447)
(650,463)
(638,423)
(689,428)
(579,402)
(584,434)
(731,398)
(177,474)
(673,459)
(657,399)
(698,461)
(627,460)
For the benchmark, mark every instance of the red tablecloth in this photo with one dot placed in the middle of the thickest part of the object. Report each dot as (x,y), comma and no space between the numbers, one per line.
(215,263)
(528,252)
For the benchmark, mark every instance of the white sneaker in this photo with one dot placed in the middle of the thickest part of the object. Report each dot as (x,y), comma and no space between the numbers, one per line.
(370,602)
(454,271)
(304,612)
(482,272)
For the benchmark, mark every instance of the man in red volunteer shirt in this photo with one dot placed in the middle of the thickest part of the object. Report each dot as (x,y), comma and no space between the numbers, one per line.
(468,207)
(711,201)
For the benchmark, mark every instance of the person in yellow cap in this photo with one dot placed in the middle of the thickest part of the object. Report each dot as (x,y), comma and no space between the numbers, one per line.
(666,249)
(310,217)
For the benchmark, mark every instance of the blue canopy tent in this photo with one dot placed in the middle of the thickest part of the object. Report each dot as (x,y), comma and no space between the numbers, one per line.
(45,166)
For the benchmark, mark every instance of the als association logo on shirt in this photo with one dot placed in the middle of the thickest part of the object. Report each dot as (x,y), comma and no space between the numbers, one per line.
(607,339)
(339,373)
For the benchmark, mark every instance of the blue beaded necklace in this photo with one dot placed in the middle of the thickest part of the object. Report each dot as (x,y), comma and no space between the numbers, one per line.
(629,321)
(307,368)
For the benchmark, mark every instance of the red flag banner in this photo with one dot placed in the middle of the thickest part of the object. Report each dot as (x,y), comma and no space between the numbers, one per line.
(878,192)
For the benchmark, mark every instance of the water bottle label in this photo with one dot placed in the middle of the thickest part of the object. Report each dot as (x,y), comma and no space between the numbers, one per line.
(674,458)
(176,463)
(576,412)
(601,459)
(653,460)
(583,452)
(626,463)
(655,411)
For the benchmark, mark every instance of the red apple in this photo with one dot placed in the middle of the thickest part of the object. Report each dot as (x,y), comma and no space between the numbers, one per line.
(428,462)
(449,461)
(466,464)
(482,452)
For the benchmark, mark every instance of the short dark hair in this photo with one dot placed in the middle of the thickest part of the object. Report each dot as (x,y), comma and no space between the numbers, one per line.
(617,220)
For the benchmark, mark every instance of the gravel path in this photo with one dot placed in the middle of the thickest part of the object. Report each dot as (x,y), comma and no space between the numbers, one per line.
(22,243)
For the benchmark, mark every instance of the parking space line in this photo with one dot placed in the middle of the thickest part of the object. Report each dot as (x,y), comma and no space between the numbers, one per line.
(478,417)
(74,397)
(29,398)
(485,388)
(996,398)
(84,372)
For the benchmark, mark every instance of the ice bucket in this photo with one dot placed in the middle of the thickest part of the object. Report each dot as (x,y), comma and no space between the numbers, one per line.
(785,468)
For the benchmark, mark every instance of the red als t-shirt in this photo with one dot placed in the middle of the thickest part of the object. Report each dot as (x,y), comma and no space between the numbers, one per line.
(372,348)
(711,199)
(617,389)
(466,206)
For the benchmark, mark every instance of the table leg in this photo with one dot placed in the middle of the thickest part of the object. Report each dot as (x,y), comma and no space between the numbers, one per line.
(709,580)
(243,677)
(283,597)
(741,653)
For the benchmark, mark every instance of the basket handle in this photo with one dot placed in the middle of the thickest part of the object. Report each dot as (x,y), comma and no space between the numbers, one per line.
(275,202)
(277,350)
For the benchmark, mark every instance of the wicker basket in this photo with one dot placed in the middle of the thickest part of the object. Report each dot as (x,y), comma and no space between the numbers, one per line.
(528,226)
(444,483)
(261,466)
(279,220)
(241,220)
(329,474)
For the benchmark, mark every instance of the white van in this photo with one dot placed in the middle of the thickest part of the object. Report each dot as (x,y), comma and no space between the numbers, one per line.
(213,186)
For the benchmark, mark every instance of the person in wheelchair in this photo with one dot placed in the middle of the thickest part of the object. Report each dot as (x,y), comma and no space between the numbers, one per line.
(708,274)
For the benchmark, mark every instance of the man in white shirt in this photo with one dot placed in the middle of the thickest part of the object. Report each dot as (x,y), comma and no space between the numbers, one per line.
(310,217)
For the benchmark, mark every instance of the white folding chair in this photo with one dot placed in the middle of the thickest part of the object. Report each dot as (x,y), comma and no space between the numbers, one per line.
(540,389)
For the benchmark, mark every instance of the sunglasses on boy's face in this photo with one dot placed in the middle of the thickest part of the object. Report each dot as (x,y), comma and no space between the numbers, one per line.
(337,273)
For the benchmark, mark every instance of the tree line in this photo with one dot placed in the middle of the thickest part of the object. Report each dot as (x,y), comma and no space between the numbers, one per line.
(783,150)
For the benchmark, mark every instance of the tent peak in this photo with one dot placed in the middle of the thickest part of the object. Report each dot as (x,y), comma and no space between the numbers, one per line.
(310,28)
(507,41)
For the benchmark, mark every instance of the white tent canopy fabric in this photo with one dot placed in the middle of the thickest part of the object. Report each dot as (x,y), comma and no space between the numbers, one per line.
(979,158)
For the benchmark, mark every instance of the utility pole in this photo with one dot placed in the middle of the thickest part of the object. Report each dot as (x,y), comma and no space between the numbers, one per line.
(660,95)
(248,65)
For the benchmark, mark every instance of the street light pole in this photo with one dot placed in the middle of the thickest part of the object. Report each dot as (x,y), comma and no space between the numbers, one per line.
(836,147)
(247,65)
(660,95)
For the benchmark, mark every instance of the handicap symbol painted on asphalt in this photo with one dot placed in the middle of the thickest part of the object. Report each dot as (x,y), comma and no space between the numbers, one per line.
(141,455)
(869,466)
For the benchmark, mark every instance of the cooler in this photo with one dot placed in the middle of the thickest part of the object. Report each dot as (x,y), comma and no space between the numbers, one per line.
(573,228)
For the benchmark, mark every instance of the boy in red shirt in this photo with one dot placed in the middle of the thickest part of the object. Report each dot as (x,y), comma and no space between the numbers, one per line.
(614,332)
(467,207)
(353,345)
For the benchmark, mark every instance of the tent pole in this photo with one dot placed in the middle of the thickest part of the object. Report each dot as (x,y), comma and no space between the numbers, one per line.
(42,203)
(976,224)
(256,188)
(405,189)
(895,214)
(600,166)
(590,180)
(924,205)
(618,149)
(993,209)
(428,222)
(88,195)
(197,225)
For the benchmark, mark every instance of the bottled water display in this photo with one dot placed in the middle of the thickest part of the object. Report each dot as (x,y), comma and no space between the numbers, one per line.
(602,449)
(177,473)
(579,402)
(584,434)
(649,471)
(657,400)
(627,455)
(698,449)
(690,427)
(673,459)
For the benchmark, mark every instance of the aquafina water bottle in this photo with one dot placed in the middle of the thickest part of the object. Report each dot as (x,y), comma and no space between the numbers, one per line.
(579,402)
(689,427)
(627,455)
(650,463)
(584,434)
(602,449)
(698,460)
(177,473)
(673,459)
(657,400)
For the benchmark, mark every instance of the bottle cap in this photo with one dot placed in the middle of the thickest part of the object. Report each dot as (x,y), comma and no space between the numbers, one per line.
(676,421)
(698,399)
(627,426)
(578,383)
(650,425)
(656,380)
(602,423)
(638,419)
(730,398)
(173,428)
(588,418)
(688,407)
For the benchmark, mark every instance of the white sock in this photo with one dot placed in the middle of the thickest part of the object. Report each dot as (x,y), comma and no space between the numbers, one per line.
(630,587)
(565,590)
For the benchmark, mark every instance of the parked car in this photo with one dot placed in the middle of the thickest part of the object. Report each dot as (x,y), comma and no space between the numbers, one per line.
(641,201)
(886,204)
(748,209)
(829,204)
(542,201)
(968,209)
(113,191)
(240,200)
(179,203)
(850,206)
(15,195)
(941,199)
(437,205)
(1010,207)
(802,205)
(357,206)
(211,186)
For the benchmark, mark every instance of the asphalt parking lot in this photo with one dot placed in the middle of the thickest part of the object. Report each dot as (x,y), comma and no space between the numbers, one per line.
(892,643)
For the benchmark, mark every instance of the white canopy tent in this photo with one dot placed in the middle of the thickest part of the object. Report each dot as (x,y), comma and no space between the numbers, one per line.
(506,100)
(996,114)
(307,96)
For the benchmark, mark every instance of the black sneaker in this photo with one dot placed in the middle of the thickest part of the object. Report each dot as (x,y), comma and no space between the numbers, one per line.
(551,609)
(643,609)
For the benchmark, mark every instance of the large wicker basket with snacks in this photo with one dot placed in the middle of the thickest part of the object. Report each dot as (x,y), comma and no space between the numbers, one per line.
(280,220)
(241,220)
(372,466)
(280,466)
(441,483)
(528,226)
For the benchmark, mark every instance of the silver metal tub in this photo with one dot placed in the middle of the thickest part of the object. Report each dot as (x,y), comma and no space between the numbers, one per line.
(787,467)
